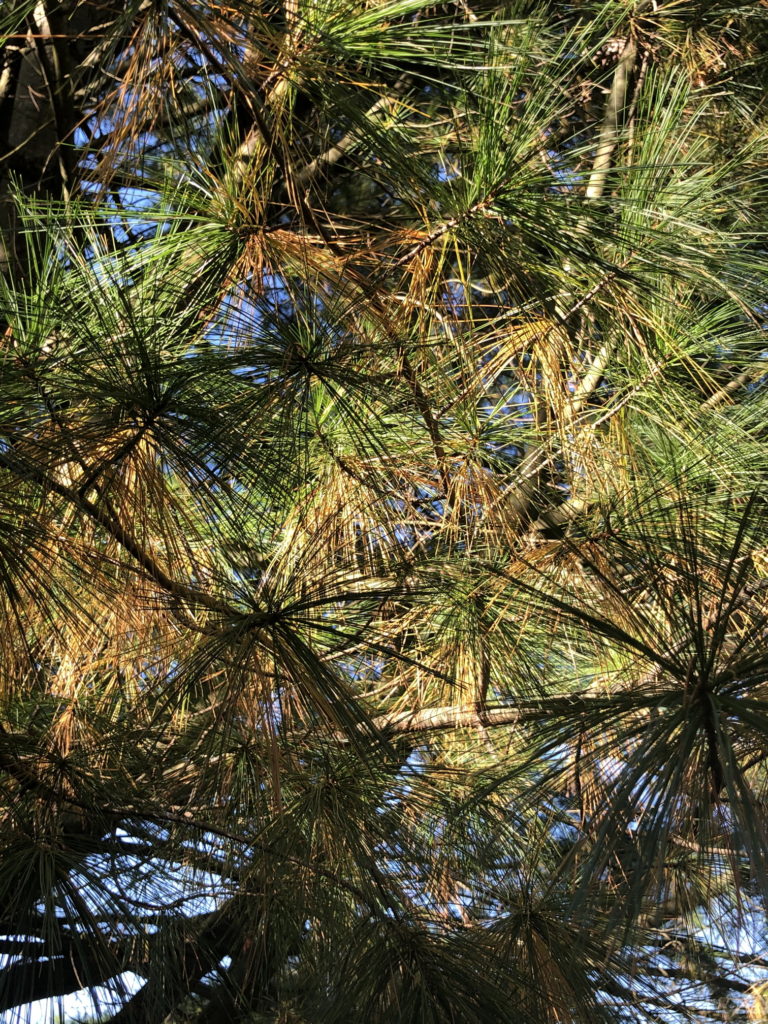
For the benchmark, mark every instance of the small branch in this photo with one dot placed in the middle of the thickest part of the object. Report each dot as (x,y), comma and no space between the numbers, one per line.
(709,621)
(123,536)
(569,509)
(425,409)
(455,716)
(461,716)
(529,471)
(725,392)
(609,130)
(345,144)
(28,981)
(442,229)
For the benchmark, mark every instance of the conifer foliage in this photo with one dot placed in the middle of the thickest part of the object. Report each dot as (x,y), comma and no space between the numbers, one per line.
(383,523)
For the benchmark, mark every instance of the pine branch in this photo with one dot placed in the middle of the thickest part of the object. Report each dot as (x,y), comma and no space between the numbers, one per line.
(347,142)
(125,538)
(608,138)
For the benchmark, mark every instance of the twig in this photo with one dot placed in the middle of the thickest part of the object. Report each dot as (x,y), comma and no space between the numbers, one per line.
(331,156)
(609,130)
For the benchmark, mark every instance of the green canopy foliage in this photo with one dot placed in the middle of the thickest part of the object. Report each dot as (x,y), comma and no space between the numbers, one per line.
(383,559)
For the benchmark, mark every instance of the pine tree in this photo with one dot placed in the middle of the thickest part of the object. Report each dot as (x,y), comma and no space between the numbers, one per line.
(383,572)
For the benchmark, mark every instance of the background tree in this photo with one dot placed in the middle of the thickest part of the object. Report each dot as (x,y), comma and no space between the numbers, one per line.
(382,537)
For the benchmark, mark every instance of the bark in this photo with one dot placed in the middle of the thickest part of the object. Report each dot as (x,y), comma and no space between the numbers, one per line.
(609,129)
(194,958)
(81,963)
(525,500)
(351,139)
(45,979)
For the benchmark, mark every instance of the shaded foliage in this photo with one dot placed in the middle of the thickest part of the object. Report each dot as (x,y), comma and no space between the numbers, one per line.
(382,522)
